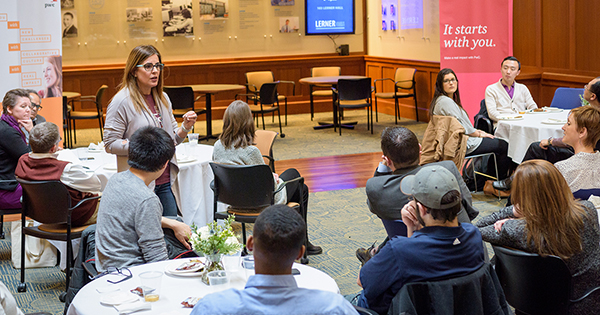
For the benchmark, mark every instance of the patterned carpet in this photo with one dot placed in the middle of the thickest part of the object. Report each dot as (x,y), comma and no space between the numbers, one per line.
(339,221)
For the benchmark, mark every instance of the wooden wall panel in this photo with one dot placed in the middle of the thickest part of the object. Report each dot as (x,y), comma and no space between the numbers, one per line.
(526,15)
(555,36)
(586,48)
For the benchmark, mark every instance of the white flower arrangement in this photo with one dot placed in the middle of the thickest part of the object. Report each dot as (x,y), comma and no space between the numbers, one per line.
(213,239)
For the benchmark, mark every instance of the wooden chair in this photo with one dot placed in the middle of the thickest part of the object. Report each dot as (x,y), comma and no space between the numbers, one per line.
(264,142)
(49,203)
(73,115)
(404,80)
(255,80)
(321,90)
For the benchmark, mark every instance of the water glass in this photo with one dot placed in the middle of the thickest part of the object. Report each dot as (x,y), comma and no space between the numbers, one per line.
(248,265)
(151,285)
(193,138)
(232,262)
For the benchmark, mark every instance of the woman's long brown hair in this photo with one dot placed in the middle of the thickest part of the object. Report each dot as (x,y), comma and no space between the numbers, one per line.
(553,218)
(238,126)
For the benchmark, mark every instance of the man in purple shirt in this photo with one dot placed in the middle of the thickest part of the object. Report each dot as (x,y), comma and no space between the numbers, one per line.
(506,96)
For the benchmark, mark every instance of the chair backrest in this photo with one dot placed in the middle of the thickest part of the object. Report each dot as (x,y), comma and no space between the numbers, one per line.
(268,93)
(264,142)
(99,95)
(256,79)
(354,89)
(476,293)
(243,186)
(567,98)
(325,71)
(533,284)
(405,78)
(394,228)
(482,119)
(182,97)
(46,201)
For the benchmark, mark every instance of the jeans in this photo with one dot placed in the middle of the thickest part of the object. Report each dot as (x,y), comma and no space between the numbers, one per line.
(167,199)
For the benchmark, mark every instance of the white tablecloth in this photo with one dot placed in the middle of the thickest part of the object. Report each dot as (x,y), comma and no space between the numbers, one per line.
(521,133)
(194,178)
(175,289)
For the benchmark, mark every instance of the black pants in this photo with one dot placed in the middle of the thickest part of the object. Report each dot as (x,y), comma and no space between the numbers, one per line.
(296,192)
(550,154)
(500,148)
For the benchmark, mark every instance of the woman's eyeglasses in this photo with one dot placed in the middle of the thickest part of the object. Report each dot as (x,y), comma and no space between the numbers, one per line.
(149,67)
(115,271)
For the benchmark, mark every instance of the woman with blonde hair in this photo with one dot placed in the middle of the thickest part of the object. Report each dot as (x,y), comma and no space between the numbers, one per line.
(52,77)
(582,170)
(546,219)
(236,146)
(141,102)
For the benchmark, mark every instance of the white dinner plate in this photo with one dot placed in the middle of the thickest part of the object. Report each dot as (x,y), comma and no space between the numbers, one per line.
(110,167)
(182,158)
(171,269)
(118,298)
(553,109)
(532,112)
(520,117)
(552,121)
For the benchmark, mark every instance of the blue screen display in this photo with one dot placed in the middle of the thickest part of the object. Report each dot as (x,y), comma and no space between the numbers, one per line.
(325,17)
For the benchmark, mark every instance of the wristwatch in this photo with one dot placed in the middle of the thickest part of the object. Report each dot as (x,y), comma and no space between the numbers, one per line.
(550,141)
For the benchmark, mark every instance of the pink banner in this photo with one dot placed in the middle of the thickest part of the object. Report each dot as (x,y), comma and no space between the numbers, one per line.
(475,36)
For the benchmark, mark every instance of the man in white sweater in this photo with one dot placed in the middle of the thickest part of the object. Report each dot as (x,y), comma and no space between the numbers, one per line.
(507,96)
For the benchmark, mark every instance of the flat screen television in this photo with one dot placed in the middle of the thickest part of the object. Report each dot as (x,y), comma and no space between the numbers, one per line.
(329,17)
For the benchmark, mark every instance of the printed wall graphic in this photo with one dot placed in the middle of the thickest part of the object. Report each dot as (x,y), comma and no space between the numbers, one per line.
(289,24)
(139,14)
(67,4)
(411,14)
(389,15)
(475,36)
(282,2)
(31,34)
(69,22)
(177,18)
(214,9)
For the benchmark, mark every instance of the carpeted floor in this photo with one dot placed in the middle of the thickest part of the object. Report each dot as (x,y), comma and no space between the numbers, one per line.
(301,141)
(339,221)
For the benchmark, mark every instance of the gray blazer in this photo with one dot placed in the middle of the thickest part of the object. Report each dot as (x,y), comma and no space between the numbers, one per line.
(122,120)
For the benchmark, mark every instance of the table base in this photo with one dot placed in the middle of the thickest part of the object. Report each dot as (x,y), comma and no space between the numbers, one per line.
(326,124)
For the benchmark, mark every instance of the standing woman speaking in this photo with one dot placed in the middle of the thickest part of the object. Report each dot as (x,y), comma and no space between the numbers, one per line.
(141,102)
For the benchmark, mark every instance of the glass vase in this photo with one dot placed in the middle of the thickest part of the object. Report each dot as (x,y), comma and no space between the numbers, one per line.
(213,262)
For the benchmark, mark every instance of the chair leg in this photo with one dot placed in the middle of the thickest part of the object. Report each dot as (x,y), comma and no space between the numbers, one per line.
(312,105)
(263,119)
(286,111)
(101,132)
(416,106)
(22,286)
(2,226)
(340,119)
(376,112)
(74,133)
(396,109)
(371,108)
(281,134)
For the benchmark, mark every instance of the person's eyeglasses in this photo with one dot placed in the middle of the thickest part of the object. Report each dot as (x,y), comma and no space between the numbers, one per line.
(115,271)
(149,67)
(585,87)
(36,106)
(449,81)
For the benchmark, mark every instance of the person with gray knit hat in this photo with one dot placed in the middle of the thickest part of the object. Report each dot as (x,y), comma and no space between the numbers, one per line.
(437,246)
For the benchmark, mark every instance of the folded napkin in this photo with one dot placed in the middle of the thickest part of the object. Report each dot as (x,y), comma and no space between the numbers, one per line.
(133,307)
(96,147)
(557,120)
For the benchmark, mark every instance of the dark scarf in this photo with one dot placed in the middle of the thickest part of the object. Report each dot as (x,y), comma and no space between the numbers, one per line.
(11,121)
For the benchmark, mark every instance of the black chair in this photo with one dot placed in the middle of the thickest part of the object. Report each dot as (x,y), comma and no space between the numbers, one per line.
(364,311)
(482,119)
(49,203)
(6,211)
(267,102)
(254,82)
(247,189)
(354,93)
(73,115)
(476,293)
(534,284)
(183,101)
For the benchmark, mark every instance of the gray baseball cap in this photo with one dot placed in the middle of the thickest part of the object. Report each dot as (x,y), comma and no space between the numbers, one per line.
(429,185)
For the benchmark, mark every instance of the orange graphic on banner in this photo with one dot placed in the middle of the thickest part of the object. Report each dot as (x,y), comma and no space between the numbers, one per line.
(14,47)
(13,25)
(15,69)
(3,17)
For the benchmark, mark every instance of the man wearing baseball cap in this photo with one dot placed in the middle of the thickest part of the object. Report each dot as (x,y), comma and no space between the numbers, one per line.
(437,246)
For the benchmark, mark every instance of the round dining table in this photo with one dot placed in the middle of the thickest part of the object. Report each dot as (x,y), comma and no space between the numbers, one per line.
(174,289)
(332,81)
(194,176)
(532,127)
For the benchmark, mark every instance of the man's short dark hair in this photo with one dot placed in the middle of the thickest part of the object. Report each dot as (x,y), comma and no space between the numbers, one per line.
(511,58)
(280,231)
(400,145)
(150,148)
(446,214)
(69,13)
(43,137)
(595,88)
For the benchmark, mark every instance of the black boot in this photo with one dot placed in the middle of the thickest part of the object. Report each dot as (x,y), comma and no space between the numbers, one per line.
(313,249)
(504,184)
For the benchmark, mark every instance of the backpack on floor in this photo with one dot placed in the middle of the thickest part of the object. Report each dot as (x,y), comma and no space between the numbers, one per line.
(480,165)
